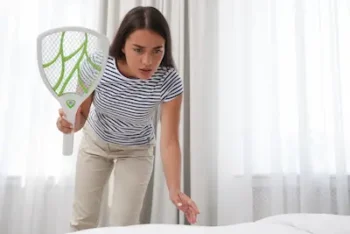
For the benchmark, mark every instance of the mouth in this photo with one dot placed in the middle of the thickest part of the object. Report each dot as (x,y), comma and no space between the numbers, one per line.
(145,70)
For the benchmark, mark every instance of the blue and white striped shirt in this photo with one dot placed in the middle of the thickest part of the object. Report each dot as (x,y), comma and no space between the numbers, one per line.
(123,108)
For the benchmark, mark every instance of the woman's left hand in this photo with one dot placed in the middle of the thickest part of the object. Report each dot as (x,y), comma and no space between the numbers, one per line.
(186,205)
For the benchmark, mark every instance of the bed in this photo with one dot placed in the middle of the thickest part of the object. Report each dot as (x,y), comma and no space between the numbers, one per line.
(279,224)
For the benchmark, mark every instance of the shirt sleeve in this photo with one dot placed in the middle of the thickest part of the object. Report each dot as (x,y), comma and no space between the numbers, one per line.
(172,86)
(88,72)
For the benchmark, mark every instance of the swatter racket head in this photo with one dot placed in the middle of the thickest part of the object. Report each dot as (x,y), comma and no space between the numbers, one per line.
(71,63)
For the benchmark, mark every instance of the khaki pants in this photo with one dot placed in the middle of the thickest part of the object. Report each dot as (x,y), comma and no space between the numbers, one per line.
(96,159)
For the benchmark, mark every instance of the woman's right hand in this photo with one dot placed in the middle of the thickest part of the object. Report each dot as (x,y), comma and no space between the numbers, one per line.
(66,127)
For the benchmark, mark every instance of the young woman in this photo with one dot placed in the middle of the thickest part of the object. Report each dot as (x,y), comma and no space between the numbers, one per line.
(140,76)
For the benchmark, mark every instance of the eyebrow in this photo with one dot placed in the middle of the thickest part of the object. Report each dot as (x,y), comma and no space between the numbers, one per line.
(157,47)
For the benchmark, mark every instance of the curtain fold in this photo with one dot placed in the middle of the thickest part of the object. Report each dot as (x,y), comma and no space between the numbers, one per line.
(36,181)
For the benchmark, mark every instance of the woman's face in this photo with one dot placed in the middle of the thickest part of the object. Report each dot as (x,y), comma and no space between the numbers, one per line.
(144,51)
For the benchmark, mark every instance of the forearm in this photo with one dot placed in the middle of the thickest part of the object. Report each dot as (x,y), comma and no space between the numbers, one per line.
(171,158)
(83,111)
(80,125)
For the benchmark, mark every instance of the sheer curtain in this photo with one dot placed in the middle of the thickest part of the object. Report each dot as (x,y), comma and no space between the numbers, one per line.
(36,181)
(284,108)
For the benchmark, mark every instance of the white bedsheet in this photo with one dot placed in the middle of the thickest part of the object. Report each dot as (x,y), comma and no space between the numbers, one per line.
(313,223)
(281,224)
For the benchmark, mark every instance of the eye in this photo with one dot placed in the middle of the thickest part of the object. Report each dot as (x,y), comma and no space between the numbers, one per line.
(157,51)
(137,50)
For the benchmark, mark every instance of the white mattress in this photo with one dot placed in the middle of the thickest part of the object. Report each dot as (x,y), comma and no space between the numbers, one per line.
(281,224)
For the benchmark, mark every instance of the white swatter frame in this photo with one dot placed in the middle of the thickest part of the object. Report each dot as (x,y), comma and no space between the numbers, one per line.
(68,140)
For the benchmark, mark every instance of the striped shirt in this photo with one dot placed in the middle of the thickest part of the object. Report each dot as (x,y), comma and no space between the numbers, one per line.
(123,108)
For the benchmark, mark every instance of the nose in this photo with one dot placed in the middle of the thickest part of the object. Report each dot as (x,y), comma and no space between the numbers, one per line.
(146,60)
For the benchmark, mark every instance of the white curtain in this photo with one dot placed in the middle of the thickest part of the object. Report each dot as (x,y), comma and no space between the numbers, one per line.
(283,108)
(36,181)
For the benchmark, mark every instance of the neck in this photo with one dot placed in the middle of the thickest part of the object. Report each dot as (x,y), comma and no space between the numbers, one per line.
(124,69)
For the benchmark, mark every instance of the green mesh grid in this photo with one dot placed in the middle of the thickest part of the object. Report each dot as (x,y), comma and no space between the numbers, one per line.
(72,61)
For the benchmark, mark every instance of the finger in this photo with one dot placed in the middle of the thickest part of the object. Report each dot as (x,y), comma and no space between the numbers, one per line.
(188,217)
(64,123)
(193,206)
(190,202)
(187,201)
(61,112)
(194,215)
(63,129)
(67,130)
(192,210)
(191,216)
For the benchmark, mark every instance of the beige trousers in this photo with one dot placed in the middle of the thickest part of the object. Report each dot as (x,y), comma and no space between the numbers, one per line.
(96,159)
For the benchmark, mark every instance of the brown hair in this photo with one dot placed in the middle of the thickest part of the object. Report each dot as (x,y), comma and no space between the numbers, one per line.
(143,18)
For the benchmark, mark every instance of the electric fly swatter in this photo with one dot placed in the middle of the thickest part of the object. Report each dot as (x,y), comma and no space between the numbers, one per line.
(71,63)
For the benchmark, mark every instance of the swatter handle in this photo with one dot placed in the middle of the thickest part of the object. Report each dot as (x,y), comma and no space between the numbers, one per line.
(68,139)
(68,143)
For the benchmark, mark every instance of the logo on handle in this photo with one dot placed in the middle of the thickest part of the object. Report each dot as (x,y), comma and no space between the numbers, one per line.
(70,103)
